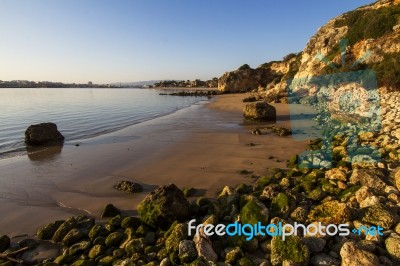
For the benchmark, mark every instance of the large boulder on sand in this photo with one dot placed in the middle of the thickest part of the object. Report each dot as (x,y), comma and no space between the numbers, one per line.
(41,134)
(164,206)
(259,111)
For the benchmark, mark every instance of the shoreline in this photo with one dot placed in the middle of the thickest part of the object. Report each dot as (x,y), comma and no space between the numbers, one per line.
(204,146)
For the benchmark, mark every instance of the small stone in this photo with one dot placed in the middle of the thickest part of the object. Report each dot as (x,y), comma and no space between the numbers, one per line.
(79,247)
(110,211)
(233,255)
(204,246)
(324,260)
(363,193)
(114,239)
(369,201)
(353,256)
(128,187)
(392,244)
(187,251)
(96,251)
(314,244)
(289,249)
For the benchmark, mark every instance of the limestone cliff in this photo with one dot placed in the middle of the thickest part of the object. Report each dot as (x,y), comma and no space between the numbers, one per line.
(365,38)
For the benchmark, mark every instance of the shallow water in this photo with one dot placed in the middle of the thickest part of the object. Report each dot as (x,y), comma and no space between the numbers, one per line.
(79,113)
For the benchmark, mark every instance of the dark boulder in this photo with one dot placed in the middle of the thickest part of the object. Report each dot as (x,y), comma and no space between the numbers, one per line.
(41,134)
(164,206)
(110,211)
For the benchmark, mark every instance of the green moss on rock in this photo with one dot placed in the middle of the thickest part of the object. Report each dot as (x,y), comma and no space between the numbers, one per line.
(378,214)
(331,212)
(253,212)
(290,249)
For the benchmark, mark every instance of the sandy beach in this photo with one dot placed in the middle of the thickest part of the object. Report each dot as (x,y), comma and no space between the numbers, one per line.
(204,146)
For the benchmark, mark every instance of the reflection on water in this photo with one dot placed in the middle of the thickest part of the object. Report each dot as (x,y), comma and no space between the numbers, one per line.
(45,153)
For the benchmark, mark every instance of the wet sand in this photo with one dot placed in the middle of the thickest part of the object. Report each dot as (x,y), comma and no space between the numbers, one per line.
(204,146)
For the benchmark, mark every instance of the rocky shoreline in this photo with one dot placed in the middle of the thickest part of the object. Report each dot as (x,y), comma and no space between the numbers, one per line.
(353,194)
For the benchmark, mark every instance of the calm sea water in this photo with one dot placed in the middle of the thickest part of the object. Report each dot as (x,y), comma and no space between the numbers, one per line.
(79,113)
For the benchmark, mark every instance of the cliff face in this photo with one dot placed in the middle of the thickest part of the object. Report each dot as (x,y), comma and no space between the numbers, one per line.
(365,38)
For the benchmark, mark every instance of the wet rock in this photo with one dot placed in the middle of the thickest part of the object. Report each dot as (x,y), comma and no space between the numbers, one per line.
(48,231)
(64,229)
(84,263)
(353,256)
(41,134)
(110,211)
(79,247)
(163,206)
(392,244)
(260,111)
(97,230)
(291,249)
(136,245)
(4,242)
(331,212)
(129,187)
(96,251)
(114,239)
(133,222)
(28,243)
(73,236)
(281,205)
(187,251)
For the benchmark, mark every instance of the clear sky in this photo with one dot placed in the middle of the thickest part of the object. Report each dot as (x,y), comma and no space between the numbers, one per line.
(108,41)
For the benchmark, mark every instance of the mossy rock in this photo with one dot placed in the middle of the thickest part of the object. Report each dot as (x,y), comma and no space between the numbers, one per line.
(244,189)
(290,249)
(253,212)
(189,192)
(4,242)
(392,245)
(100,240)
(73,236)
(345,195)
(47,232)
(233,255)
(79,247)
(64,259)
(97,230)
(265,181)
(136,245)
(280,205)
(96,251)
(116,221)
(293,161)
(244,244)
(162,254)
(316,194)
(179,233)
(84,263)
(107,260)
(331,212)
(378,214)
(163,206)
(307,186)
(245,261)
(63,230)
(133,222)
(114,239)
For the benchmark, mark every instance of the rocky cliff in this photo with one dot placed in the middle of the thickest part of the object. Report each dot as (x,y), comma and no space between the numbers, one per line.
(365,38)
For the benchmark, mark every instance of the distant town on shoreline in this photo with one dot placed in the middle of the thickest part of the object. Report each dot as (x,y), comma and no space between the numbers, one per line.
(197,83)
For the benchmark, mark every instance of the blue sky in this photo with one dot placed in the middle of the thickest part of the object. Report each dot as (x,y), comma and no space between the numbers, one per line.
(108,41)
